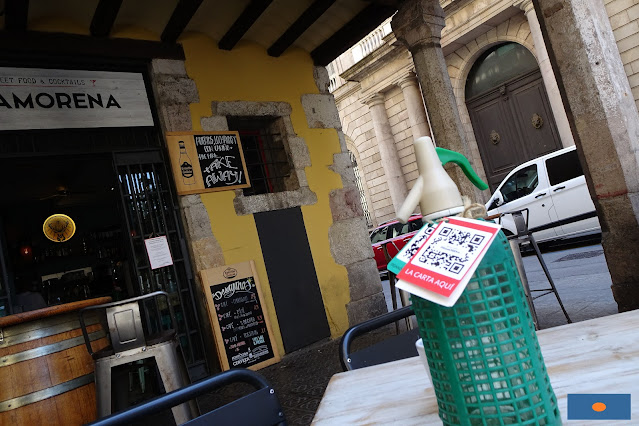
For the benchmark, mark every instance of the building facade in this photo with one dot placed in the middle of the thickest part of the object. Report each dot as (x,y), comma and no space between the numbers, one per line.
(504,88)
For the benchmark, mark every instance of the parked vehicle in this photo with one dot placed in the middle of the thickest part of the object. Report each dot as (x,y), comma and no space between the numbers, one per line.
(393,235)
(552,188)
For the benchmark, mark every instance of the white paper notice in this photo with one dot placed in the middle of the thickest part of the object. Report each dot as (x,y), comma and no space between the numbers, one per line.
(158,251)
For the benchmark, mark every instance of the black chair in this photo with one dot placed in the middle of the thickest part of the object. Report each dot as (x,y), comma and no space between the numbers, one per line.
(391,349)
(257,408)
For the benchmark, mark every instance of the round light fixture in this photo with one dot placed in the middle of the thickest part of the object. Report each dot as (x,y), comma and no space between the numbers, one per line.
(59,228)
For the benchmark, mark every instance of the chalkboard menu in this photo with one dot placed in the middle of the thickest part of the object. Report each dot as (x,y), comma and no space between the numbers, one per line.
(241,327)
(220,158)
(207,161)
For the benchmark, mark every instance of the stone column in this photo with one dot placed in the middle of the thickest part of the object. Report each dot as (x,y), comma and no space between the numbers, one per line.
(418,25)
(554,97)
(603,115)
(414,105)
(387,151)
(348,237)
(174,91)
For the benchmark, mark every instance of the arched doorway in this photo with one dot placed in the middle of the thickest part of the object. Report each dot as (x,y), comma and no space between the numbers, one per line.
(509,110)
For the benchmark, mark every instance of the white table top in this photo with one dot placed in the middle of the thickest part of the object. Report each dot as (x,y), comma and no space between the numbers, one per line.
(595,356)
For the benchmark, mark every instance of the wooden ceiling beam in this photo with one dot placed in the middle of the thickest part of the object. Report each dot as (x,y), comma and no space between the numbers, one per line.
(104,17)
(298,27)
(352,32)
(16,14)
(243,23)
(180,18)
(75,45)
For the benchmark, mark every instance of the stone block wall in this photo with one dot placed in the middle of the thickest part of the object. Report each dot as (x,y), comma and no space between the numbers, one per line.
(299,193)
(400,125)
(174,91)
(358,126)
(624,20)
(348,237)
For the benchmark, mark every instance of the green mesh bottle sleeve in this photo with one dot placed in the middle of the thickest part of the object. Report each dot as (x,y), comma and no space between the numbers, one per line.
(483,353)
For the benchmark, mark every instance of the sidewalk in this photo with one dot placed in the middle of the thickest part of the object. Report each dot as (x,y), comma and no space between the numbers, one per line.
(583,283)
(299,380)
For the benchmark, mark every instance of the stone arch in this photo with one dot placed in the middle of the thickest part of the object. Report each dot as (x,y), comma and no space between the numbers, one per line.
(460,62)
(352,147)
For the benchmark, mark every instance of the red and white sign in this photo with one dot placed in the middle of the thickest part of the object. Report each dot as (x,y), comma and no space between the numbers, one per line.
(442,267)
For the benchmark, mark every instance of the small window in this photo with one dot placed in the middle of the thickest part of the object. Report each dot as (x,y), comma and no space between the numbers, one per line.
(520,184)
(379,235)
(563,167)
(265,153)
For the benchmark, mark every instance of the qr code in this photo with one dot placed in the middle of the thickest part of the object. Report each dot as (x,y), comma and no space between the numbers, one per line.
(418,242)
(451,250)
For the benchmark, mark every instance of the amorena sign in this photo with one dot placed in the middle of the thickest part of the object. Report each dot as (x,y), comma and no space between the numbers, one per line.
(52,99)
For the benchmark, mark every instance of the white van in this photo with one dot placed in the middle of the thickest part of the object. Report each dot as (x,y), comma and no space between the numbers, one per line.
(552,188)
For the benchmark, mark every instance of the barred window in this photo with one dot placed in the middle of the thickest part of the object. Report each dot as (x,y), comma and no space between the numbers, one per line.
(266,153)
(360,187)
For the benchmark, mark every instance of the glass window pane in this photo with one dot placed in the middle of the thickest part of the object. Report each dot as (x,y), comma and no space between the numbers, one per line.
(563,167)
(379,235)
(394,230)
(520,184)
(498,65)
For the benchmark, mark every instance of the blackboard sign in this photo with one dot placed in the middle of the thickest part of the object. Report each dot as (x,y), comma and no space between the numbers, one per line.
(241,326)
(207,161)
(220,157)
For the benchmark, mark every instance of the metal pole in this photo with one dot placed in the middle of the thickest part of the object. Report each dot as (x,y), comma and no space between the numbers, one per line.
(404,297)
(514,246)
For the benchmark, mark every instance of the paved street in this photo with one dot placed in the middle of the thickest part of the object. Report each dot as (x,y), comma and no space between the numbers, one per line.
(582,280)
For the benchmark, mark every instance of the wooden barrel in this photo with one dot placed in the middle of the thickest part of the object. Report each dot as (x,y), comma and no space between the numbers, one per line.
(46,372)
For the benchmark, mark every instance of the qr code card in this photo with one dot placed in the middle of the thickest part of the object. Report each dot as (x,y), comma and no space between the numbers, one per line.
(409,250)
(440,270)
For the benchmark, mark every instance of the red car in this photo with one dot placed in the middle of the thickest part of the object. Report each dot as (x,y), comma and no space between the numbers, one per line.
(393,235)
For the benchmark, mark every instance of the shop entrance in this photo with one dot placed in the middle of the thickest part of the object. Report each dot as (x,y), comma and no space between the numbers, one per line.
(118,195)
(91,262)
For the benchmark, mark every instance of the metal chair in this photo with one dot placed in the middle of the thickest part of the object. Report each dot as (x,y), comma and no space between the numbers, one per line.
(524,235)
(129,344)
(257,408)
(392,280)
(392,349)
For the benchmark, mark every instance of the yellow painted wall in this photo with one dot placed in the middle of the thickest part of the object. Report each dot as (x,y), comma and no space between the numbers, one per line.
(247,73)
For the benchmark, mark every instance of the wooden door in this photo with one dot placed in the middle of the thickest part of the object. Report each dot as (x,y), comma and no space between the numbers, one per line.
(513,123)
